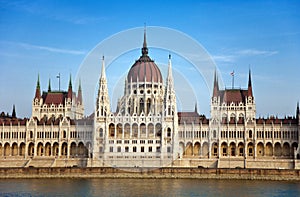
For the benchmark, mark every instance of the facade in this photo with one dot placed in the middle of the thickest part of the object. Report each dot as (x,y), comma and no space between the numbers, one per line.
(146,130)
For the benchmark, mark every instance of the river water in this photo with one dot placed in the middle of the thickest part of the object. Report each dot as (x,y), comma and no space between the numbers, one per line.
(146,187)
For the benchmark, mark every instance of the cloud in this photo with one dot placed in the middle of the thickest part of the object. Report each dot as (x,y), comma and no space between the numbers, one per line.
(46,48)
(254,52)
(224,58)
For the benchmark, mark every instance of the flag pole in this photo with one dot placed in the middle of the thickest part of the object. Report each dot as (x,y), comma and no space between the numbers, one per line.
(232,74)
(58,76)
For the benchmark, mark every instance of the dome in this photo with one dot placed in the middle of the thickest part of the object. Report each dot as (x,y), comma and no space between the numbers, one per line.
(144,69)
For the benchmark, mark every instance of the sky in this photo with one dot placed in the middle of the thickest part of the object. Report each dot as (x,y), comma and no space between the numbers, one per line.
(51,37)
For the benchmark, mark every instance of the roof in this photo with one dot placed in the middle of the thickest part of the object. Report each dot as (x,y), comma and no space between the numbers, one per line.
(233,95)
(191,117)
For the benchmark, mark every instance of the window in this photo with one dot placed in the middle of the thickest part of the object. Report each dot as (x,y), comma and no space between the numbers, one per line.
(126,141)
(168,149)
(134,141)
(158,149)
(111,149)
(100,149)
(134,149)
(119,141)
(142,149)
(126,149)
(101,132)
(142,142)
(150,141)
(250,133)
(150,149)
(111,141)
(119,149)
(169,132)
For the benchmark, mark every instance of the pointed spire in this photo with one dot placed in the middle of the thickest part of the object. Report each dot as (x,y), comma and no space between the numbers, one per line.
(49,85)
(14,115)
(70,91)
(297,110)
(38,88)
(79,94)
(216,85)
(196,109)
(250,85)
(103,75)
(170,75)
(145,49)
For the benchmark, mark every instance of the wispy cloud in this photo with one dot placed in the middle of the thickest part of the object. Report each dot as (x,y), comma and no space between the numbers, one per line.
(46,48)
(254,52)
(233,55)
(224,58)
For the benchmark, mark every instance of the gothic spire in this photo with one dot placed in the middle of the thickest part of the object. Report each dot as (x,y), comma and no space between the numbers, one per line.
(14,115)
(250,85)
(216,85)
(103,75)
(196,109)
(170,75)
(70,91)
(79,94)
(297,110)
(49,85)
(145,49)
(38,88)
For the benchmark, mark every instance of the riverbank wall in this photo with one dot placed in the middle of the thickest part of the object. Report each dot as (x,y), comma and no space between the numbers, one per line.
(168,172)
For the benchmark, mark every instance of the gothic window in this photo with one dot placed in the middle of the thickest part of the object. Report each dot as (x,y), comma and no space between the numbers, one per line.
(101,132)
(119,149)
(111,149)
(142,149)
(141,105)
(168,132)
(134,149)
(64,134)
(250,133)
(148,105)
(215,134)
(150,149)
(168,149)
(126,149)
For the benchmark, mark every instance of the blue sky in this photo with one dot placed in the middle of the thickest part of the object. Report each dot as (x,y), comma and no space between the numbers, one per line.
(51,37)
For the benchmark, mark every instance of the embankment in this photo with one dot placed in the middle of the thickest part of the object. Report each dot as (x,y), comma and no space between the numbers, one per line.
(108,172)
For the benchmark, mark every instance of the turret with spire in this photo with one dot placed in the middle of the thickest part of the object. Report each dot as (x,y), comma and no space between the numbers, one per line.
(79,93)
(250,93)
(38,89)
(170,98)
(103,104)
(49,85)
(13,114)
(70,91)
(216,85)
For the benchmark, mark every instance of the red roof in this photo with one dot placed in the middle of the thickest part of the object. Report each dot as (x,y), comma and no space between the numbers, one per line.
(233,95)
(189,117)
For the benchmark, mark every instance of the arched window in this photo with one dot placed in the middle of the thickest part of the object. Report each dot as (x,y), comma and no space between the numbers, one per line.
(101,132)
(250,133)
(141,105)
(215,134)
(168,132)
(148,105)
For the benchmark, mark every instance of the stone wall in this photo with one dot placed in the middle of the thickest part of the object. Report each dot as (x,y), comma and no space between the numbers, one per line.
(106,172)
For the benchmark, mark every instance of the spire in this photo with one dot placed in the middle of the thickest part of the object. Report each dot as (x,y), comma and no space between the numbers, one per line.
(14,115)
(38,88)
(216,85)
(79,94)
(49,85)
(250,85)
(103,75)
(196,109)
(70,92)
(170,75)
(297,110)
(145,49)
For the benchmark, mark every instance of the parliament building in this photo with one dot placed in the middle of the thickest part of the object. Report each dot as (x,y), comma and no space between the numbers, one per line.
(146,130)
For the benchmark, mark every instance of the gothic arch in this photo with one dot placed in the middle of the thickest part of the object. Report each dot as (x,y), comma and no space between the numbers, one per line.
(31,149)
(269,149)
(286,149)
(14,149)
(241,148)
(277,149)
(48,149)
(197,148)
(232,149)
(260,149)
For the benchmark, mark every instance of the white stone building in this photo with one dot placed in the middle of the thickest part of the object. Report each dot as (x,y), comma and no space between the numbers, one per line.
(146,130)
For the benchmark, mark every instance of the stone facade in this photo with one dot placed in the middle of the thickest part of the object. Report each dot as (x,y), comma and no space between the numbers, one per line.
(146,130)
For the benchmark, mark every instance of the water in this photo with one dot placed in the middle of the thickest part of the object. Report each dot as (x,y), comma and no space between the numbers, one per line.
(146,187)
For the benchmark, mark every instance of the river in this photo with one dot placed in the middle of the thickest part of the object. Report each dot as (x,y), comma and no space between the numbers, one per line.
(146,187)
